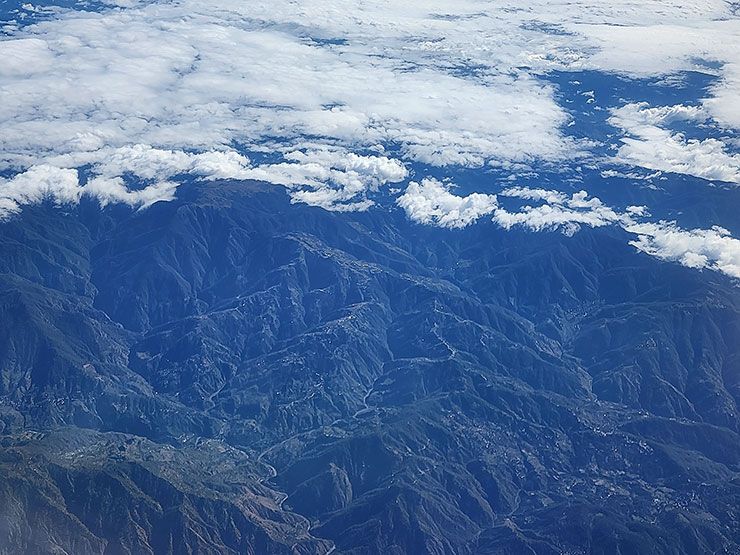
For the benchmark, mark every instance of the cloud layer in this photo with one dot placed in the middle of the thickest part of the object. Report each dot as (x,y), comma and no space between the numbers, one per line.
(438,83)
(336,101)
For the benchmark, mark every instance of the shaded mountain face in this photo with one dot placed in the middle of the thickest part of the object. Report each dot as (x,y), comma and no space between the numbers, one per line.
(234,373)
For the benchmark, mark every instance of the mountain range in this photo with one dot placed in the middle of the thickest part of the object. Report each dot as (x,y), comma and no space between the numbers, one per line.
(232,372)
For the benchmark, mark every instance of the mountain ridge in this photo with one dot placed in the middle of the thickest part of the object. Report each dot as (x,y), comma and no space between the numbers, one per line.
(382,386)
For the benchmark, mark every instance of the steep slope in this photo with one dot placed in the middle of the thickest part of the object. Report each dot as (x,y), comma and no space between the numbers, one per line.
(241,374)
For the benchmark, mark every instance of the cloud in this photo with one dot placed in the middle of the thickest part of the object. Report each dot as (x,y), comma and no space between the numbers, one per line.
(336,102)
(111,190)
(24,57)
(159,74)
(197,76)
(641,114)
(711,248)
(635,176)
(62,187)
(148,163)
(682,36)
(153,167)
(431,202)
(40,183)
(330,177)
(724,102)
(651,145)
(143,89)
(559,211)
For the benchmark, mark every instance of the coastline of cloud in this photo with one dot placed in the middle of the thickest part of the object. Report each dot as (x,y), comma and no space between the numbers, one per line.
(196,77)
(164,90)
(193,77)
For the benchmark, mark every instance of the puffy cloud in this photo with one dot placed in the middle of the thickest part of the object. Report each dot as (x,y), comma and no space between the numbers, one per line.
(157,90)
(649,144)
(724,102)
(24,57)
(606,174)
(559,211)
(684,35)
(36,185)
(218,165)
(641,114)
(111,190)
(198,76)
(537,195)
(62,187)
(697,248)
(152,163)
(707,159)
(330,177)
(431,202)
(713,248)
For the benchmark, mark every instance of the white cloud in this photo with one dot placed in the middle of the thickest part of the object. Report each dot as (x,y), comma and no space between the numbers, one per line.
(143,90)
(537,195)
(640,114)
(559,211)
(631,175)
(683,36)
(161,89)
(36,185)
(62,187)
(331,177)
(650,145)
(110,190)
(24,57)
(197,76)
(431,202)
(711,248)
(724,102)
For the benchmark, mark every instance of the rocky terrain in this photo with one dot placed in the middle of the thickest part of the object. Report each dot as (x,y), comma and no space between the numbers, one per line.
(233,373)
